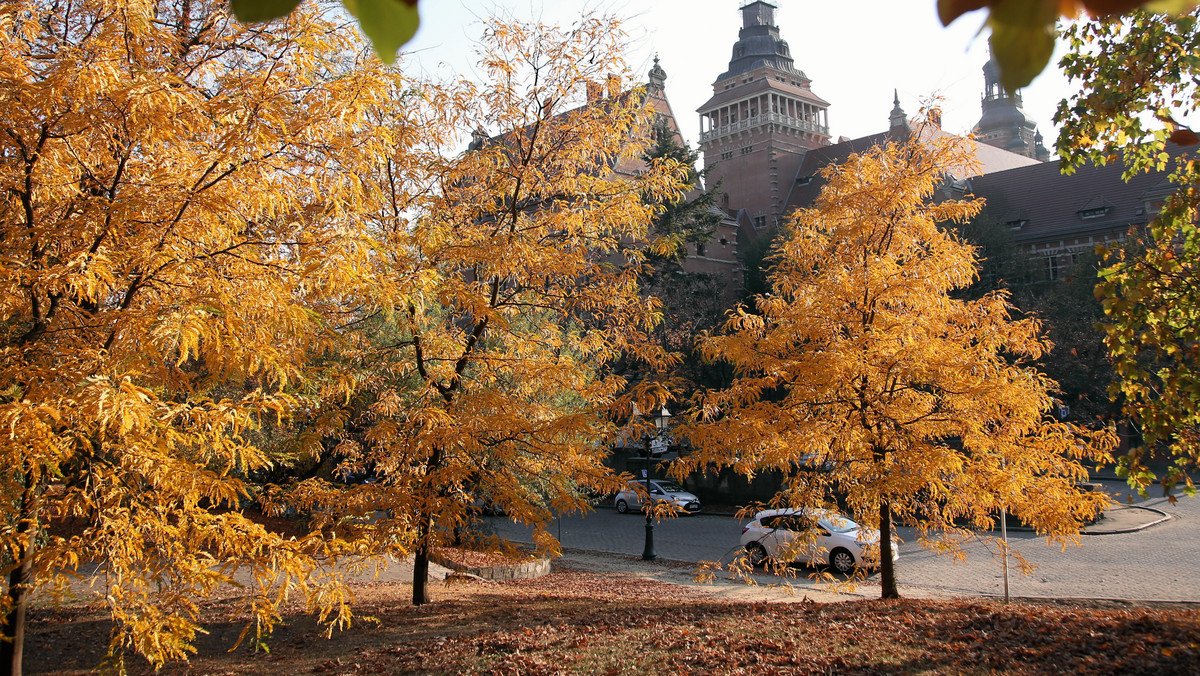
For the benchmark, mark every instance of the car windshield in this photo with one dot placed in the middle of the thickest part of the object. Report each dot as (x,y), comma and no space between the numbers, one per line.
(670,487)
(836,523)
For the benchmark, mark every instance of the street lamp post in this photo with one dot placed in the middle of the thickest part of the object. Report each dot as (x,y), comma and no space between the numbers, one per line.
(660,425)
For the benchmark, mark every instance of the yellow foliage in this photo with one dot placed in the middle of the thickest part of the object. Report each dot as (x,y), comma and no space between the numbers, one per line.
(504,285)
(917,404)
(177,195)
(215,234)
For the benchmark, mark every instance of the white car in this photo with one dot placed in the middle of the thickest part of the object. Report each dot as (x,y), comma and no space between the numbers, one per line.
(812,536)
(660,491)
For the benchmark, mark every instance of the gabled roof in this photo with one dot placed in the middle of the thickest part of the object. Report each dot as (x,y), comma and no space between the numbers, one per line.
(806,185)
(1042,204)
(599,96)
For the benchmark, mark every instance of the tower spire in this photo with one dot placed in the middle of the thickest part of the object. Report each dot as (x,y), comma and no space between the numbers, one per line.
(762,118)
(658,78)
(898,120)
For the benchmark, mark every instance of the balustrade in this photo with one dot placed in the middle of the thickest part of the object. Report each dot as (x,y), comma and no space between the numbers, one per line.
(778,118)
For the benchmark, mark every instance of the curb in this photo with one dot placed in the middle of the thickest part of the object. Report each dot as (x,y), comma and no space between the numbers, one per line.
(1162,516)
(1154,521)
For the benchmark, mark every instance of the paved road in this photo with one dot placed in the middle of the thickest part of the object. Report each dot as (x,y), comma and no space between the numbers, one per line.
(1161,562)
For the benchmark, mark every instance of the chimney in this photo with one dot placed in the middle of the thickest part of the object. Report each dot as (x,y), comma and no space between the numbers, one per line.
(595,91)
(478,139)
(614,86)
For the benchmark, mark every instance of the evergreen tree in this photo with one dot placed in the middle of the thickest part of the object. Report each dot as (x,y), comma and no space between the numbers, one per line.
(686,218)
(692,302)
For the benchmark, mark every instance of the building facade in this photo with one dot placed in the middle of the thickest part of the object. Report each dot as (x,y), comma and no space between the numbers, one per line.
(765,135)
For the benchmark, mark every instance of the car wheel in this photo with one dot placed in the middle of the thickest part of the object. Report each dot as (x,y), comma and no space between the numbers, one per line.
(622,507)
(756,553)
(842,561)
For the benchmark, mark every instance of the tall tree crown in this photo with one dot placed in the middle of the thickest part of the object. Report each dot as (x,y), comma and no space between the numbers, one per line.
(862,360)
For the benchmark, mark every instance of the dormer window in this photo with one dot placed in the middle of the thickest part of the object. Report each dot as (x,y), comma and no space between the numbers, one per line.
(1097,207)
(804,180)
(1016,219)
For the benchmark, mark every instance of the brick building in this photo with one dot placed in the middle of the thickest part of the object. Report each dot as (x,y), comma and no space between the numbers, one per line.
(765,135)
(761,120)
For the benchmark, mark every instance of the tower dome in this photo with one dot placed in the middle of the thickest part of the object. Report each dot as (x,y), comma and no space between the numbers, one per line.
(1004,123)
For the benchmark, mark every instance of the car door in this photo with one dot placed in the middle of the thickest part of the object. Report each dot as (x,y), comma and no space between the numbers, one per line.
(799,538)
(657,494)
(776,536)
(634,494)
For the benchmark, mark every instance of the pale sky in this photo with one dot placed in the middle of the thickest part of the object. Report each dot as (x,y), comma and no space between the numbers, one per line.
(855,53)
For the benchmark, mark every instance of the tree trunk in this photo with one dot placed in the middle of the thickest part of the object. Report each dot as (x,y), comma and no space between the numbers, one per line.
(887,567)
(20,581)
(425,536)
(12,645)
(420,582)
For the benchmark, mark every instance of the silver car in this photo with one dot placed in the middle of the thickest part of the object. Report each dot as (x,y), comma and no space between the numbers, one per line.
(660,491)
(812,536)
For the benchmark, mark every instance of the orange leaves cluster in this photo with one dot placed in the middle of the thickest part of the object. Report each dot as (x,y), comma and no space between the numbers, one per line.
(863,360)
(949,10)
(177,195)
(491,385)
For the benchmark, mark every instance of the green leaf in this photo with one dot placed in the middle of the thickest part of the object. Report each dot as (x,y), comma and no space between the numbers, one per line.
(257,11)
(387,23)
(1022,49)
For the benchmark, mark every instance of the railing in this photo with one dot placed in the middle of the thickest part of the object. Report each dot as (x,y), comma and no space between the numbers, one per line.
(750,122)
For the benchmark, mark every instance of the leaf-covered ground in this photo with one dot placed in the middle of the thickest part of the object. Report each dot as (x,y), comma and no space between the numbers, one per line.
(588,623)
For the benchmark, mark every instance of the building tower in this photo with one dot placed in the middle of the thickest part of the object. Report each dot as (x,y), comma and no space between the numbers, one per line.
(898,127)
(761,119)
(1004,123)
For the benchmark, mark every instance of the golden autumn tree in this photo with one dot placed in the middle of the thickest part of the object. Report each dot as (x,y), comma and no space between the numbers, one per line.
(506,285)
(175,192)
(920,407)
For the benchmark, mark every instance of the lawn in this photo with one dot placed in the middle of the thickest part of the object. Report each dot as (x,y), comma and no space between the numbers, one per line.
(589,623)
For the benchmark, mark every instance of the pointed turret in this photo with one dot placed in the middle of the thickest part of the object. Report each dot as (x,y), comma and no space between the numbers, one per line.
(1039,148)
(658,78)
(898,120)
